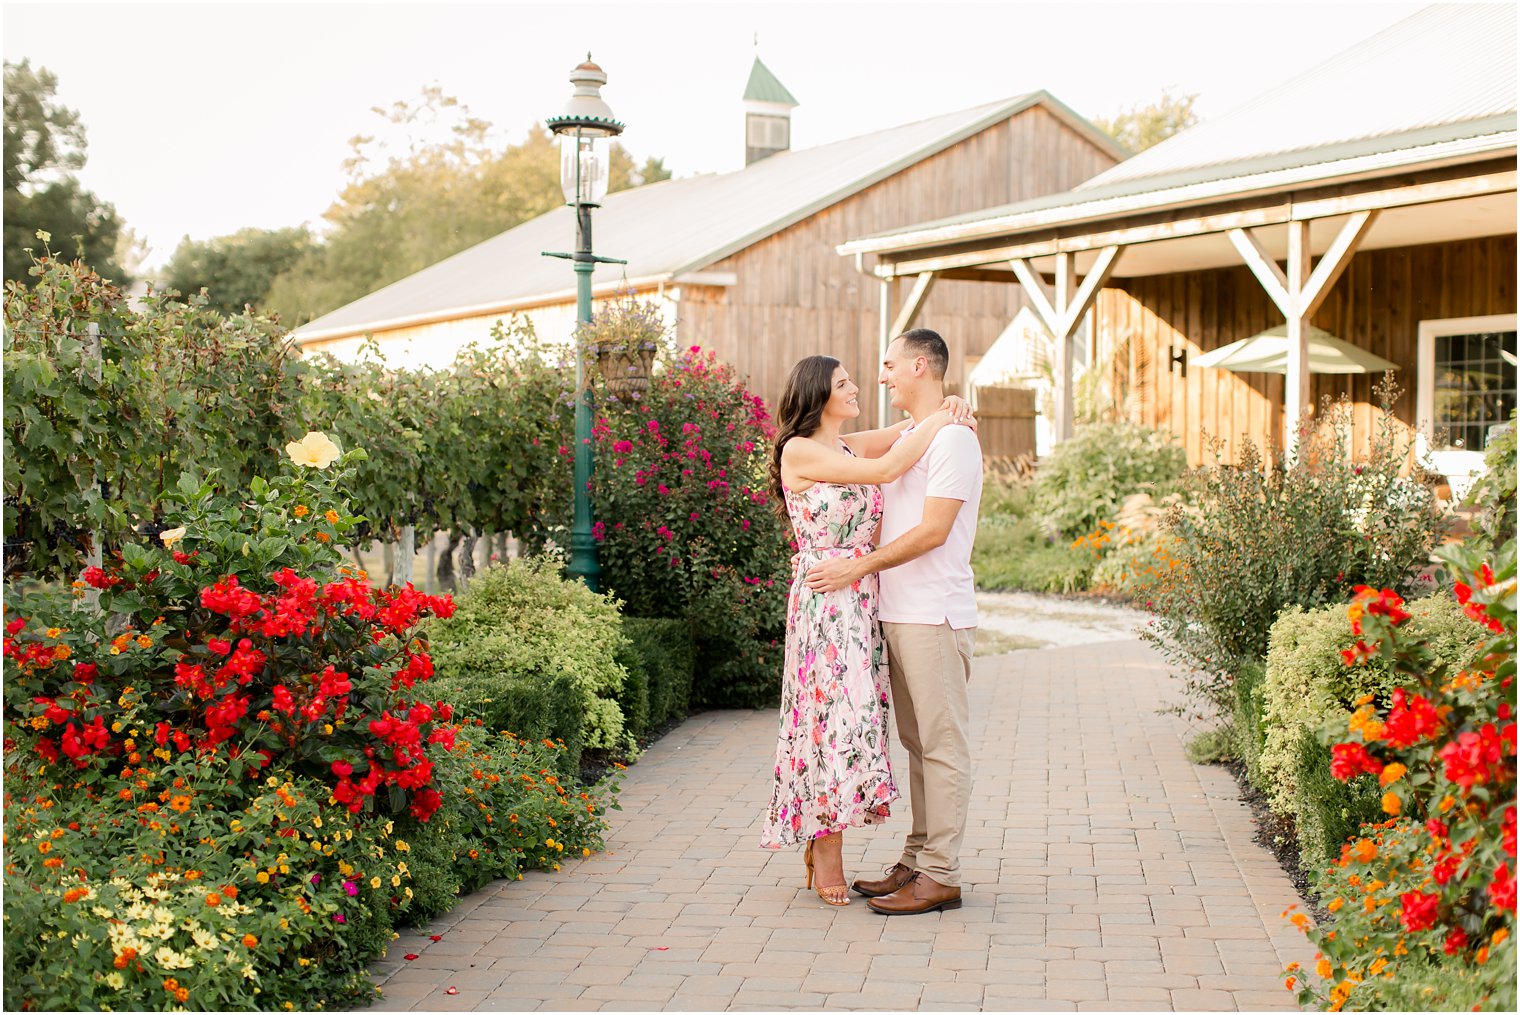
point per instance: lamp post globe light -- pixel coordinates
(584, 128)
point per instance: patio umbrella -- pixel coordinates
(1267, 353)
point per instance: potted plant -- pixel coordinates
(623, 337)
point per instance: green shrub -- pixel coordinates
(530, 652)
(1086, 478)
(504, 813)
(1307, 681)
(1212, 746)
(659, 658)
(1013, 555)
(1246, 739)
(1326, 812)
(1260, 539)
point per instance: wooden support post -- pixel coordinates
(884, 339)
(1061, 311)
(1298, 293)
(1066, 268)
(1296, 392)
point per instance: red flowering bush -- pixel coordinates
(230, 646)
(684, 522)
(1427, 899)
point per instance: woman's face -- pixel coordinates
(843, 397)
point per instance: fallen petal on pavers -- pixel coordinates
(409, 956)
(663, 948)
(452, 990)
(437, 937)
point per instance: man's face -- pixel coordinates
(900, 372)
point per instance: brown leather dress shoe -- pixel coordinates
(921, 894)
(896, 876)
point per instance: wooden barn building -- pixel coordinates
(1371, 198)
(744, 262)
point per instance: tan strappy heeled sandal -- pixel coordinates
(843, 896)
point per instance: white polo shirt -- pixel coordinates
(938, 586)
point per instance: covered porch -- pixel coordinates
(1443, 215)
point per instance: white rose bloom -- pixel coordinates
(171, 536)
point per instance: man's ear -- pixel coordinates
(920, 366)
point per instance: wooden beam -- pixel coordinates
(1245, 213)
(1066, 270)
(1034, 287)
(1096, 278)
(1297, 393)
(1264, 268)
(1334, 262)
(884, 338)
(911, 307)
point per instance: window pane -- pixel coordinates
(1474, 385)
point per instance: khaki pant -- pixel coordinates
(931, 666)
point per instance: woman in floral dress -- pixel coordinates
(832, 769)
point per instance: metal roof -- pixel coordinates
(672, 228)
(763, 86)
(1446, 73)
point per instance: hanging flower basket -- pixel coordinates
(623, 338)
(626, 369)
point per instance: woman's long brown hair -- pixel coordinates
(800, 411)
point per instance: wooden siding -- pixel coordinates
(795, 296)
(1377, 304)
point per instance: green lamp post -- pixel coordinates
(584, 129)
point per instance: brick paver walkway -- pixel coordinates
(1102, 870)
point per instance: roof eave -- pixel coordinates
(1362, 167)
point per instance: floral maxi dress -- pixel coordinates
(832, 767)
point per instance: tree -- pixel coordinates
(432, 181)
(44, 146)
(1141, 126)
(236, 270)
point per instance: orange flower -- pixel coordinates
(331, 516)
(192, 874)
(1364, 851)
(144, 641)
(230, 891)
(1391, 803)
(74, 894)
(323, 537)
(53, 861)
(180, 803)
(1392, 773)
(1335, 904)
(1323, 968)
(182, 995)
(213, 899)
(249, 941)
(1499, 937)
(44, 846)
(302, 511)
(1300, 921)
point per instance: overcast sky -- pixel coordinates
(204, 118)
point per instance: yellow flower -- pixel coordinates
(402, 846)
(54, 632)
(317, 821)
(374, 882)
(395, 881)
(171, 536)
(316, 450)
(262, 877)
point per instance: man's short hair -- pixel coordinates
(928, 344)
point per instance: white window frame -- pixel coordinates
(1425, 360)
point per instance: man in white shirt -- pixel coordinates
(928, 618)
